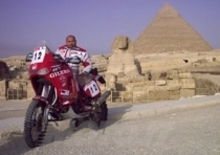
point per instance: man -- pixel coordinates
(78, 55)
(75, 53)
(74, 56)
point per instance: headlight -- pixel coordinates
(29, 57)
(43, 71)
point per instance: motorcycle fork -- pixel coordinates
(49, 107)
(45, 91)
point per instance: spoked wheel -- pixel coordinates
(35, 124)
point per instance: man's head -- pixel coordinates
(71, 41)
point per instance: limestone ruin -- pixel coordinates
(169, 56)
(122, 60)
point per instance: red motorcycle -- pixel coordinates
(57, 91)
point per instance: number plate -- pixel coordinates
(93, 88)
(38, 55)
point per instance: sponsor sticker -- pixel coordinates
(62, 72)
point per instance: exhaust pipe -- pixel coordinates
(103, 98)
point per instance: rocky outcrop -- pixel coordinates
(4, 70)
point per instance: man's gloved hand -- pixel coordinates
(94, 71)
(101, 80)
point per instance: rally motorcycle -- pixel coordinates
(56, 92)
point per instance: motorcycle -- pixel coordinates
(56, 92)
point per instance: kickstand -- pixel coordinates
(79, 120)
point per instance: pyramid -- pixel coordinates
(169, 32)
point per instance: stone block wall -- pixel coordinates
(206, 87)
(17, 89)
(180, 85)
(30, 92)
(3, 89)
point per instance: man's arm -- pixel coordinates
(86, 62)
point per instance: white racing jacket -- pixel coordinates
(78, 53)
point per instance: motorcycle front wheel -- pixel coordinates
(35, 125)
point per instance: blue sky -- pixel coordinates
(25, 24)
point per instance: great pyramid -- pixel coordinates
(169, 32)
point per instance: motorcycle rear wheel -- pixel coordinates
(104, 112)
(34, 124)
(100, 114)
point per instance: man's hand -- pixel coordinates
(101, 80)
(94, 71)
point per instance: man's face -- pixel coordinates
(71, 42)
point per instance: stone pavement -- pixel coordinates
(12, 105)
(162, 107)
(189, 132)
(125, 112)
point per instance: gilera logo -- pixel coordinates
(55, 74)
